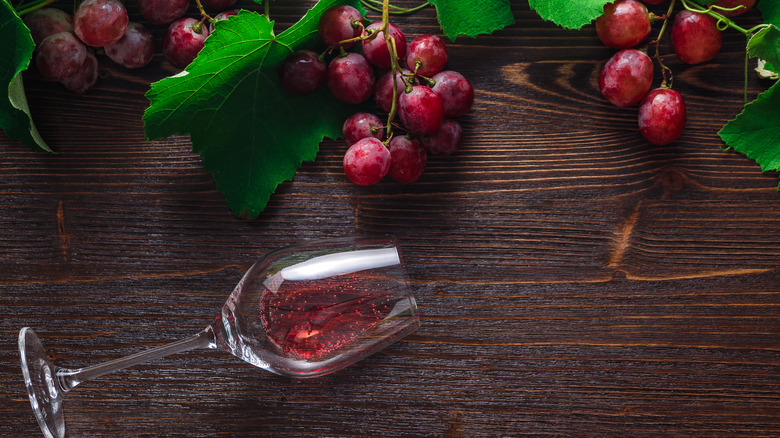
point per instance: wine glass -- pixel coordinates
(301, 311)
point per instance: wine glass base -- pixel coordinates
(40, 379)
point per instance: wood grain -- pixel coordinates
(573, 280)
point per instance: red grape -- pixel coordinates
(375, 49)
(99, 23)
(302, 72)
(135, 49)
(426, 55)
(446, 140)
(421, 111)
(218, 5)
(624, 24)
(60, 56)
(626, 77)
(224, 15)
(455, 91)
(162, 12)
(367, 161)
(340, 23)
(350, 78)
(383, 91)
(408, 159)
(361, 125)
(662, 116)
(695, 37)
(183, 40)
(653, 2)
(728, 4)
(85, 78)
(47, 21)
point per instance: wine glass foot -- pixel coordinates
(40, 378)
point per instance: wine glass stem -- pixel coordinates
(69, 378)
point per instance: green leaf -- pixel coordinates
(756, 130)
(765, 44)
(15, 54)
(570, 14)
(471, 18)
(251, 133)
(770, 11)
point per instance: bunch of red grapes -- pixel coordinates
(427, 98)
(627, 76)
(62, 40)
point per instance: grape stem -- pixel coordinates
(203, 13)
(369, 35)
(394, 67)
(666, 72)
(376, 5)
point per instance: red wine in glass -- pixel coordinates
(301, 311)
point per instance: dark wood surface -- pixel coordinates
(573, 280)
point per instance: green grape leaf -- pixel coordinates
(756, 130)
(15, 54)
(765, 44)
(470, 18)
(251, 133)
(570, 14)
(770, 11)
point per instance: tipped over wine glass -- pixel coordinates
(301, 311)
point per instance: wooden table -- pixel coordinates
(573, 280)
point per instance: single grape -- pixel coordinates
(350, 78)
(662, 116)
(383, 91)
(361, 125)
(302, 72)
(421, 111)
(162, 12)
(728, 4)
(426, 55)
(455, 91)
(47, 21)
(375, 49)
(183, 40)
(85, 78)
(446, 140)
(653, 2)
(695, 37)
(340, 23)
(99, 23)
(224, 15)
(135, 49)
(60, 56)
(367, 161)
(408, 159)
(624, 24)
(218, 5)
(626, 77)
